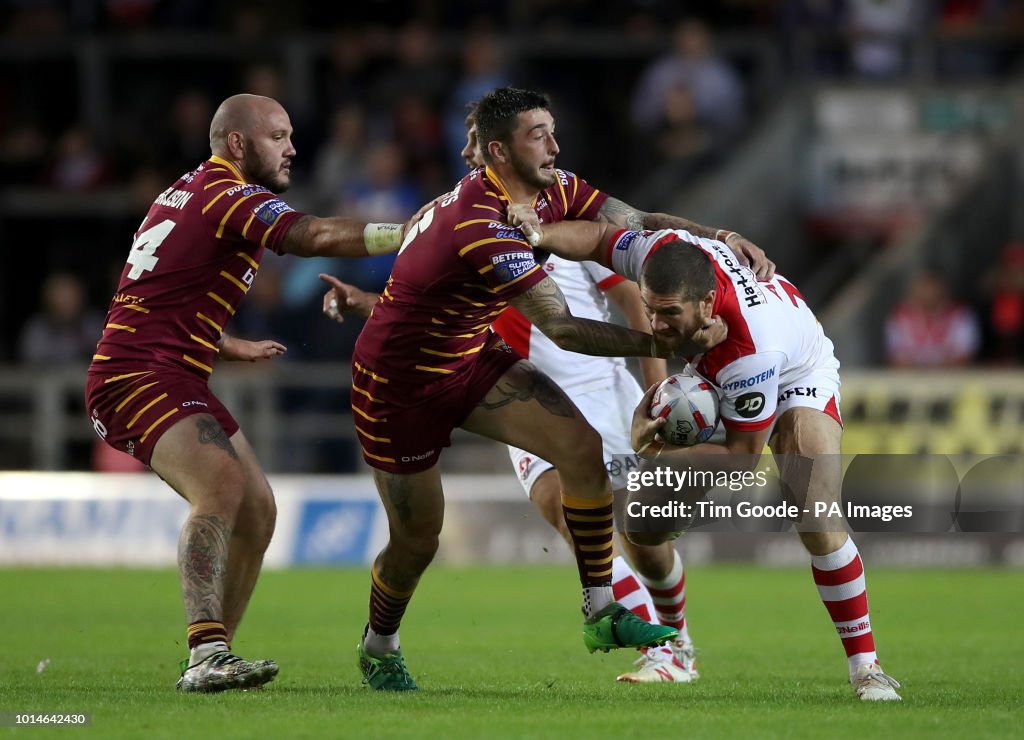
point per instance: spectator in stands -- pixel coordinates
(418, 132)
(714, 85)
(881, 31)
(342, 156)
(77, 163)
(347, 79)
(381, 188)
(65, 328)
(187, 132)
(1003, 312)
(416, 69)
(929, 328)
(483, 69)
(23, 146)
(680, 148)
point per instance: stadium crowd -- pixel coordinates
(382, 130)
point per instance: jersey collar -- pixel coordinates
(221, 161)
(493, 177)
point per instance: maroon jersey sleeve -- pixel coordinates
(573, 199)
(250, 212)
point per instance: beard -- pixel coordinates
(530, 175)
(266, 174)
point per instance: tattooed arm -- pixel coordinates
(545, 307)
(624, 216)
(626, 295)
(310, 236)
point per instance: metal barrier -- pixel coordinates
(296, 416)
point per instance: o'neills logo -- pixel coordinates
(864, 626)
(415, 458)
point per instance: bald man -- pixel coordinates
(193, 259)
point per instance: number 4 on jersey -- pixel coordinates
(142, 256)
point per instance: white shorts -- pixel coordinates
(610, 412)
(818, 389)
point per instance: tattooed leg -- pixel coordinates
(211, 433)
(526, 383)
(415, 508)
(202, 561)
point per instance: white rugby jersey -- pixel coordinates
(583, 284)
(774, 338)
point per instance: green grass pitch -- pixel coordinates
(497, 653)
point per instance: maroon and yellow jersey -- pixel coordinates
(194, 257)
(456, 272)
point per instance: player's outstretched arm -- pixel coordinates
(626, 295)
(625, 216)
(343, 299)
(310, 236)
(545, 307)
(578, 241)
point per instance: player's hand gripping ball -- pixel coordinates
(690, 405)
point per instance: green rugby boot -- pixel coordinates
(386, 673)
(615, 626)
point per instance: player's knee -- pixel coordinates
(419, 549)
(417, 538)
(823, 543)
(649, 539)
(581, 457)
(226, 497)
(263, 517)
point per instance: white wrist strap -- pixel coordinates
(382, 238)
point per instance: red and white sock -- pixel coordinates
(839, 577)
(669, 596)
(631, 592)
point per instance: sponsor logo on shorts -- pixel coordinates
(130, 448)
(186, 404)
(416, 458)
(750, 405)
(809, 392)
(620, 464)
(270, 211)
(98, 426)
(524, 467)
(751, 381)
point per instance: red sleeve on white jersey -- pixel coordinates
(627, 251)
(603, 277)
(750, 390)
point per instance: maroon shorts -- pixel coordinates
(130, 408)
(403, 429)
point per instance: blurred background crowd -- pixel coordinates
(872, 147)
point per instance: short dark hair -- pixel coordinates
(679, 268)
(497, 114)
(471, 113)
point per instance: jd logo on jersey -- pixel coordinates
(749, 405)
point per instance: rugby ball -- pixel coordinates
(689, 403)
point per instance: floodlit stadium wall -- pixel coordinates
(88, 519)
